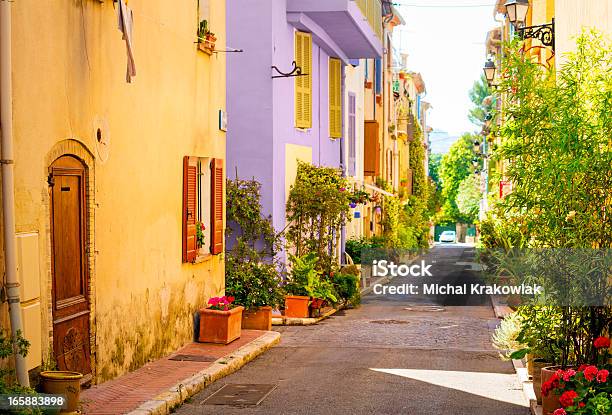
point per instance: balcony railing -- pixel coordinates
(372, 10)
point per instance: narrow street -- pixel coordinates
(389, 356)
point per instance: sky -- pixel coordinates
(445, 42)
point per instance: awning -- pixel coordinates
(378, 190)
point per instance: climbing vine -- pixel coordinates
(317, 208)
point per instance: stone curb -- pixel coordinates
(166, 402)
(523, 376)
(500, 308)
(306, 321)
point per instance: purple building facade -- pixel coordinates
(262, 139)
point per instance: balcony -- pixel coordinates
(346, 29)
(372, 10)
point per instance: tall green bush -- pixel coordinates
(317, 208)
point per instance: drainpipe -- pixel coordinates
(342, 162)
(8, 188)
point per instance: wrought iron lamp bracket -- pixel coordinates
(296, 71)
(544, 33)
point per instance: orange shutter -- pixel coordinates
(371, 162)
(217, 211)
(190, 175)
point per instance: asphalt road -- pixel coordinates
(392, 355)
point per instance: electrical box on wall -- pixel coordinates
(222, 120)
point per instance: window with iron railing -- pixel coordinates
(372, 10)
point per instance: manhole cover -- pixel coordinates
(193, 358)
(427, 308)
(389, 322)
(239, 395)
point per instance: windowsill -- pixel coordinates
(303, 130)
(203, 258)
(203, 47)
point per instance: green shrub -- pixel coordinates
(347, 287)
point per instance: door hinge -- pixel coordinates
(51, 180)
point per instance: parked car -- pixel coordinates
(448, 236)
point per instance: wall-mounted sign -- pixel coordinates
(357, 214)
(222, 120)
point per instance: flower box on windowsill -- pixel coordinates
(206, 47)
(368, 84)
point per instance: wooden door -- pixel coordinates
(70, 290)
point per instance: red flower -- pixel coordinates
(582, 404)
(602, 342)
(560, 411)
(214, 301)
(230, 299)
(567, 399)
(568, 374)
(602, 376)
(590, 372)
(581, 367)
(550, 384)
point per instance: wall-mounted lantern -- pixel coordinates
(516, 11)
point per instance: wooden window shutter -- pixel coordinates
(190, 194)
(371, 162)
(303, 84)
(217, 207)
(335, 98)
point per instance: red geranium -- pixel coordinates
(220, 303)
(602, 342)
(602, 376)
(567, 398)
(550, 384)
(590, 372)
(560, 411)
(568, 374)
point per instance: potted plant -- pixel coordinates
(251, 268)
(221, 321)
(60, 382)
(206, 38)
(297, 299)
(255, 285)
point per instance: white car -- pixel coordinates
(448, 236)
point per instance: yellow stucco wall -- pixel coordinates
(571, 17)
(69, 80)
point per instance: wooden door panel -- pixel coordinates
(71, 344)
(70, 276)
(67, 235)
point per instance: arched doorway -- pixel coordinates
(70, 289)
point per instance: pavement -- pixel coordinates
(393, 355)
(160, 386)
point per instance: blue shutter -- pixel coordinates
(378, 80)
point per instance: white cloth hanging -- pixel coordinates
(125, 20)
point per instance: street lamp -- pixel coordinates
(477, 147)
(516, 10)
(489, 71)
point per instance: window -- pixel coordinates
(303, 84)
(203, 203)
(378, 76)
(335, 98)
(352, 158)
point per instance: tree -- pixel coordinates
(456, 165)
(469, 197)
(484, 103)
(434, 168)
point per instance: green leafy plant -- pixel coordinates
(8, 386)
(200, 239)
(355, 247)
(347, 287)
(306, 280)
(317, 208)
(506, 334)
(252, 273)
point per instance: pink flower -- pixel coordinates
(568, 374)
(602, 376)
(602, 343)
(590, 372)
(214, 301)
(560, 411)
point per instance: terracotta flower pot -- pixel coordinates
(550, 402)
(296, 306)
(63, 383)
(218, 326)
(259, 318)
(536, 368)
